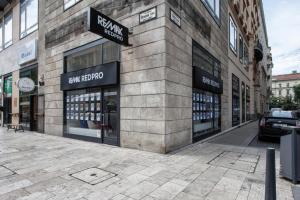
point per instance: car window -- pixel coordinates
(285, 114)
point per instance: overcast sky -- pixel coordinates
(283, 24)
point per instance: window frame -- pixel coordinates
(76, 2)
(5, 45)
(212, 11)
(26, 33)
(241, 48)
(233, 48)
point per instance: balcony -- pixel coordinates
(4, 3)
(258, 51)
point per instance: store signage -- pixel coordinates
(25, 84)
(28, 52)
(175, 18)
(206, 81)
(100, 24)
(107, 74)
(148, 15)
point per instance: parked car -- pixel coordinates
(275, 109)
(271, 125)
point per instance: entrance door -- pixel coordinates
(92, 114)
(33, 112)
(7, 110)
(110, 116)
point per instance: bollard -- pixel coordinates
(270, 182)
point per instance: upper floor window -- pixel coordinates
(246, 55)
(288, 85)
(28, 16)
(70, 3)
(213, 6)
(7, 30)
(232, 35)
(1, 37)
(241, 49)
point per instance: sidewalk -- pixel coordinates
(36, 167)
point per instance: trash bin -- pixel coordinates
(290, 155)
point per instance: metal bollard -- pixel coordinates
(270, 185)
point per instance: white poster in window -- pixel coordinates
(98, 117)
(28, 52)
(92, 96)
(98, 96)
(87, 97)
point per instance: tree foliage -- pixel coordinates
(297, 93)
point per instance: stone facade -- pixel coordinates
(156, 72)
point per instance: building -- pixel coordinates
(151, 75)
(21, 56)
(282, 85)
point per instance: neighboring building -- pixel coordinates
(282, 85)
(188, 66)
(21, 56)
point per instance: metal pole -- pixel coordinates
(270, 187)
(294, 157)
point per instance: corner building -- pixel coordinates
(167, 89)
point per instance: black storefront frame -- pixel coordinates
(197, 86)
(7, 117)
(94, 139)
(32, 126)
(117, 87)
(235, 97)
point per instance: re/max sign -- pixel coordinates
(86, 77)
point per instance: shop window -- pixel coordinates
(235, 100)
(8, 30)
(243, 102)
(247, 103)
(213, 6)
(206, 101)
(205, 61)
(232, 35)
(93, 56)
(70, 3)
(92, 112)
(29, 16)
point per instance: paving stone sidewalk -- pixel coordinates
(36, 167)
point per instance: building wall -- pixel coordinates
(283, 86)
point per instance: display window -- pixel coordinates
(206, 112)
(247, 103)
(207, 90)
(243, 102)
(235, 100)
(91, 92)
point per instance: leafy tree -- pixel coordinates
(297, 93)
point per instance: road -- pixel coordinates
(244, 136)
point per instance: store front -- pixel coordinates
(29, 100)
(248, 103)
(7, 99)
(235, 100)
(243, 102)
(91, 92)
(207, 90)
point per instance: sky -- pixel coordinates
(283, 25)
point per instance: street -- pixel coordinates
(245, 136)
(36, 166)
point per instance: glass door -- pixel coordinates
(92, 114)
(110, 116)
